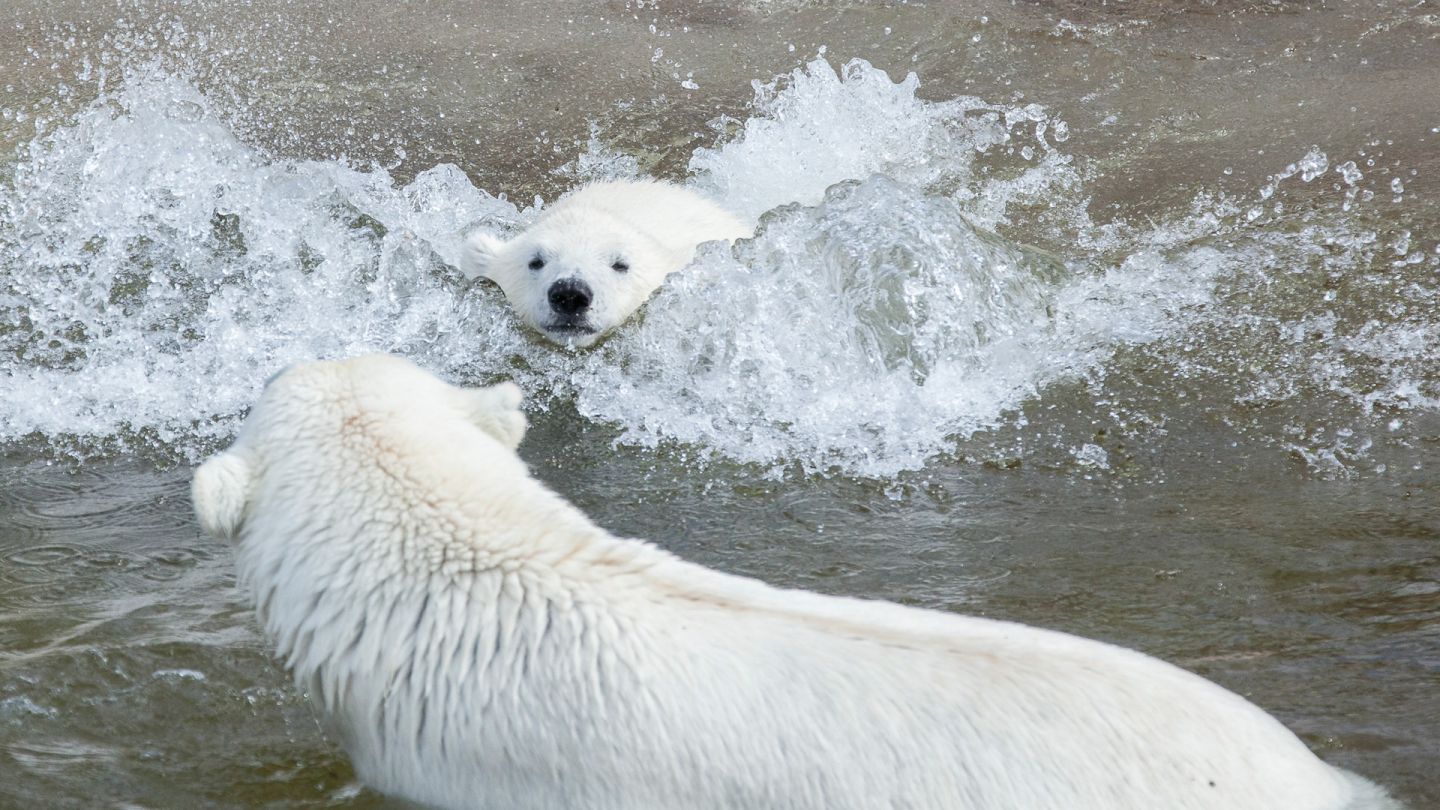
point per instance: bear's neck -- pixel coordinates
(321, 590)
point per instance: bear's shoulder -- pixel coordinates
(645, 202)
(624, 196)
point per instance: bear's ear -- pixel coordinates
(477, 256)
(220, 492)
(496, 410)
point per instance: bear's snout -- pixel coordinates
(570, 296)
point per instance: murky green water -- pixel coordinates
(1217, 446)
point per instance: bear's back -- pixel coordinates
(677, 217)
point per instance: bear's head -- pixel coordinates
(573, 276)
(310, 410)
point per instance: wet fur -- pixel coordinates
(473, 640)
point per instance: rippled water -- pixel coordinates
(1119, 321)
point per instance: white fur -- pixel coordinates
(653, 227)
(220, 492)
(475, 641)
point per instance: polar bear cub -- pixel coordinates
(591, 259)
(473, 640)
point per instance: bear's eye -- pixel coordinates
(619, 266)
(537, 263)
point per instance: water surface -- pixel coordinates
(1117, 320)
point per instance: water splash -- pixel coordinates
(859, 333)
(819, 126)
(154, 266)
(155, 269)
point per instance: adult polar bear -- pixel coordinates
(475, 641)
(591, 259)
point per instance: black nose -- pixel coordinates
(569, 296)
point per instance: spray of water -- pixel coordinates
(155, 269)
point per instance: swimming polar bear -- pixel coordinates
(591, 259)
(474, 641)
